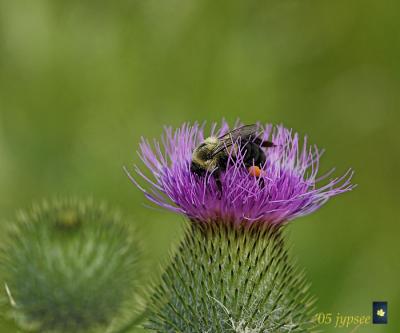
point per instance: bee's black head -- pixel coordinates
(197, 169)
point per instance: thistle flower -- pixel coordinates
(290, 179)
(69, 266)
(231, 272)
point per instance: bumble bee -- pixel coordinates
(213, 153)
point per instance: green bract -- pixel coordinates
(69, 266)
(227, 278)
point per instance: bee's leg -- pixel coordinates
(217, 176)
(261, 159)
(262, 182)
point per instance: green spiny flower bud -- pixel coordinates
(229, 278)
(69, 266)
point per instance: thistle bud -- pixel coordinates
(69, 266)
(227, 278)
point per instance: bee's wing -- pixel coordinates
(244, 133)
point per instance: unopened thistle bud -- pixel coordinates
(69, 266)
(231, 272)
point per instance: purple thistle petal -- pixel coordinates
(289, 175)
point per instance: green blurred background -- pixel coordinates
(81, 81)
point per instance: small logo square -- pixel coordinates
(379, 312)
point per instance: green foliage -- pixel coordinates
(69, 266)
(227, 278)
